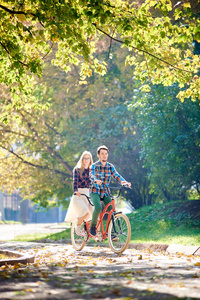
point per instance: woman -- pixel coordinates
(79, 207)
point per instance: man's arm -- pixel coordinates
(93, 175)
(119, 178)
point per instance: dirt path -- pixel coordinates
(59, 272)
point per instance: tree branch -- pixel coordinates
(13, 12)
(47, 147)
(4, 47)
(17, 133)
(110, 46)
(35, 165)
(144, 51)
(47, 125)
(20, 12)
(48, 51)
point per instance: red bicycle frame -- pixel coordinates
(100, 220)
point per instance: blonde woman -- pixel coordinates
(79, 207)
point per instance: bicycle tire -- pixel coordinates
(119, 234)
(78, 241)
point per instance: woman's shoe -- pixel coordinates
(78, 230)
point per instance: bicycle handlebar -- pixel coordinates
(108, 191)
(115, 188)
(88, 198)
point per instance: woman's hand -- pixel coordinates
(78, 194)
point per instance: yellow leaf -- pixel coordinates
(21, 18)
(195, 276)
(187, 4)
(82, 82)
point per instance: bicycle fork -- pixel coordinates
(118, 222)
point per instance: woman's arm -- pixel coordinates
(75, 180)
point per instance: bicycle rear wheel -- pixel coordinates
(119, 233)
(78, 241)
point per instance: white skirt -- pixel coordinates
(79, 206)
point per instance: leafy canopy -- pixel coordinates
(158, 35)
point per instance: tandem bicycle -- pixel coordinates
(116, 228)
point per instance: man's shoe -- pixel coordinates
(93, 230)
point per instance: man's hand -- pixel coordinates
(98, 182)
(77, 194)
(128, 184)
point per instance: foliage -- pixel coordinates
(164, 53)
(44, 145)
(170, 141)
(39, 115)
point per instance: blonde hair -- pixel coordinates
(80, 165)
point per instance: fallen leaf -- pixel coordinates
(130, 281)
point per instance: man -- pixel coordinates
(100, 175)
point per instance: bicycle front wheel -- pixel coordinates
(78, 241)
(119, 233)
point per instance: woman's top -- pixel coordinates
(81, 181)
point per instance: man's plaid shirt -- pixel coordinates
(99, 172)
(80, 181)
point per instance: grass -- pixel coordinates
(63, 235)
(171, 223)
(9, 222)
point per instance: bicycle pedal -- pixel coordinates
(99, 236)
(85, 236)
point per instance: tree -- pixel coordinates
(170, 142)
(44, 145)
(72, 34)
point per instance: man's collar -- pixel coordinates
(102, 164)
